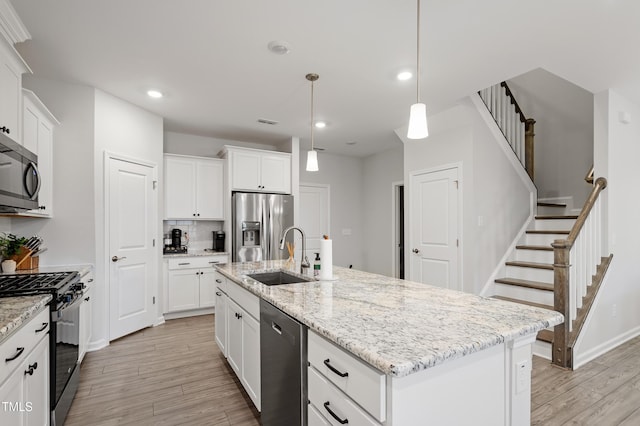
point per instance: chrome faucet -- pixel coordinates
(304, 264)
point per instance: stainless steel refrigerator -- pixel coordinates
(258, 221)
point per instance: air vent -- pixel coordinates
(265, 121)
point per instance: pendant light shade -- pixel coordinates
(418, 114)
(312, 156)
(418, 122)
(312, 161)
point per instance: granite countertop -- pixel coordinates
(196, 253)
(399, 327)
(15, 311)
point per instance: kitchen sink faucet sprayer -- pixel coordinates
(304, 264)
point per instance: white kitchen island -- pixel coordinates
(429, 355)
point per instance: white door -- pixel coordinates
(314, 217)
(433, 232)
(131, 225)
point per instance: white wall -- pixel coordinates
(491, 188)
(379, 172)
(203, 146)
(126, 130)
(563, 133)
(344, 175)
(69, 235)
(615, 316)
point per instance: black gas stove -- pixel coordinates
(66, 291)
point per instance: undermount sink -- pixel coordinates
(278, 278)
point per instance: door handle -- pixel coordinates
(116, 258)
(416, 251)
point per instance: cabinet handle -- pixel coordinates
(334, 415)
(184, 264)
(44, 326)
(31, 369)
(214, 262)
(219, 281)
(218, 293)
(238, 315)
(332, 368)
(194, 214)
(20, 350)
(198, 214)
(90, 280)
(5, 129)
(86, 299)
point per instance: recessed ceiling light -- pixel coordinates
(155, 94)
(404, 75)
(279, 47)
(321, 124)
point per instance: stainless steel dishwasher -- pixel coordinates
(283, 366)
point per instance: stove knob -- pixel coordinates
(67, 298)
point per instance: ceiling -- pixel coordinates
(210, 58)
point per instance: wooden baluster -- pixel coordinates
(528, 147)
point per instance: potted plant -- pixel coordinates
(10, 246)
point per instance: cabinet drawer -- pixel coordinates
(335, 406)
(361, 382)
(195, 262)
(315, 418)
(248, 301)
(221, 282)
(27, 337)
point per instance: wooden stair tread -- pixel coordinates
(551, 217)
(526, 283)
(524, 302)
(535, 265)
(545, 336)
(544, 248)
(537, 231)
(543, 204)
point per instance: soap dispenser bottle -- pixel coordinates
(316, 266)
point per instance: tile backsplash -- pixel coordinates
(199, 232)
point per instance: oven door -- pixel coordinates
(67, 338)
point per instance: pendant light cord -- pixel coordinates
(417, 54)
(311, 115)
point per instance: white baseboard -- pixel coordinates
(580, 359)
(185, 314)
(97, 345)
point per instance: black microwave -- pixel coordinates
(19, 177)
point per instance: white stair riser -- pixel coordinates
(554, 224)
(524, 293)
(538, 256)
(531, 274)
(542, 349)
(543, 239)
(551, 211)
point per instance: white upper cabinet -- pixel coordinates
(11, 69)
(258, 170)
(37, 131)
(193, 187)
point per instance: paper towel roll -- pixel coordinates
(326, 260)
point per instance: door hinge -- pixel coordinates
(457, 242)
(154, 300)
(155, 184)
(154, 242)
(456, 183)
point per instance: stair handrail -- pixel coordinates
(520, 136)
(564, 335)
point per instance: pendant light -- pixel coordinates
(418, 114)
(312, 156)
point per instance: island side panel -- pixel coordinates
(467, 391)
(518, 366)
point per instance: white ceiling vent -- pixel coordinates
(266, 121)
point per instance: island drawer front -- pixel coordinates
(364, 384)
(249, 302)
(328, 399)
(315, 418)
(22, 342)
(221, 282)
(196, 262)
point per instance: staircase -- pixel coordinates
(528, 274)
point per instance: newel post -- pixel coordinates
(528, 146)
(561, 353)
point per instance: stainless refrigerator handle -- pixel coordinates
(264, 240)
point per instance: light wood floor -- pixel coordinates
(174, 374)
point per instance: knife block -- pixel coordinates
(24, 260)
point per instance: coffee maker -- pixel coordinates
(218, 241)
(176, 243)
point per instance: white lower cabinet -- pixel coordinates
(24, 380)
(190, 283)
(238, 333)
(85, 320)
(342, 388)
